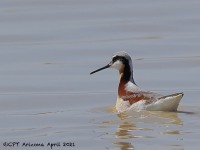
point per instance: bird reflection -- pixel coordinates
(143, 124)
(124, 145)
(123, 131)
(128, 124)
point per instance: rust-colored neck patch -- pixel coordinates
(122, 86)
(132, 97)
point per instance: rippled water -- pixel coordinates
(48, 49)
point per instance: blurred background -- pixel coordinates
(49, 47)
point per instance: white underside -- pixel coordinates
(166, 104)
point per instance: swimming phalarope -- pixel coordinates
(132, 97)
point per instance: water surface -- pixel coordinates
(48, 49)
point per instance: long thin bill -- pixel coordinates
(107, 66)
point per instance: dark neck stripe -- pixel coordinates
(127, 72)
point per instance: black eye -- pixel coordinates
(122, 59)
(115, 58)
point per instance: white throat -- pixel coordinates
(118, 65)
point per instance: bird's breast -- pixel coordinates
(131, 93)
